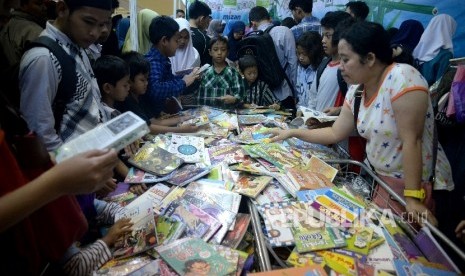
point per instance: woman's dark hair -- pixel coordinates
(247, 61)
(109, 69)
(220, 39)
(197, 9)
(162, 26)
(311, 42)
(369, 37)
(137, 63)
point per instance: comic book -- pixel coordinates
(308, 180)
(317, 165)
(314, 239)
(250, 185)
(156, 160)
(186, 174)
(234, 237)
(139, 176)
(187, 254)
(190, 148)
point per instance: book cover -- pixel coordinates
(154, 195)
(142, 237)
(273, 193)
(297, 259)
(230, 154)
(364, 269)
(250, 185)
(212, 222)
(360, 239)
(226, 199)
(312, 270)
(122, 199)
(308, 180)
(123, 266)
(139, 176)
(309, 195)
(166, 270)
(432, 249)
(287, 184)
(404, 268)
(199, 120)
(241, 262)
(116, 133)
(173, 195)
(195, 226)
(314, 239)
(317, 165)
(168, 229)
(189, 256)
(225, 120)
(340, 263)
(156, 160)
(270, 167)
(231, 255)
(190, 148)
(186, 174)
(274, 153)
(225, 217)
(234, 237)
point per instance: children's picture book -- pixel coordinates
(168, 229)
(156, 160)
(196, 227)
(250, 185)
(230, 154)
(190, 148)
(142, 237)
(225, 217)
(360, 239)
(317, 165)
(154, 195)
(186, 174)
(315, 239)
(273, 193)
(116, 133)
(139, 176)
(297, 259)
(234, 237)
(190, 256)
(251, 119)
(312, 270)
(308, 180)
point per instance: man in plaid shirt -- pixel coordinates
(302, 12)
(221, 84)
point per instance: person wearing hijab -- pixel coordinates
(409, 34)
(234, 36)
(144, 18)
(186, 56)
(215, 28)
(435, 48)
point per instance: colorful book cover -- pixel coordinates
(230, 154)
(225, 217)
(225, 120)
(404, 268)
(138, 176)
(173, 195)
(273, 193)
(229, 254)
(297, 259)
(122, 199)
(309, 195)
(315, 239)
(251, 119)
(142, 237)
(287, 184)
(199, 120)
(312, 270)
(156, 160)
(340, 263)
(270, 167)
(168, 229)
(186, 174)
(154, 195)
(250, 185)
(190, 148)
(190, 256)
(360, 239)
(226, 199)
(308, 180)
(241, 262)
(212, 222)
(196, 227)
(234, 237)
(364, 269)
(274, 153)
(317, 165)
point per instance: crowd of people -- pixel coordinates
(375, 80)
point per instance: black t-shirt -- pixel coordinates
(139, 108)
(201, 42)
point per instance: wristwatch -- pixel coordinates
(420, 194)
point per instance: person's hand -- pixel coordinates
(418, 211)
(131, 149)
(108, 187)
(275, 106)
(333, 111)
(86, 172)
(460, 230)
(138, 189)
(189, 79)
(228, 99)
(278, 134)
(188, 128)
(118, 230)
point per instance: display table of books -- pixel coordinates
(225, 201)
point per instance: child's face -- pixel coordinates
(170, 45)
(302, 56)
(219, 52)
(183, 39)
(139, 84)
(327, 41)
(120, 91)
(251, 74)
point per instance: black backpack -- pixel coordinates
(260, 45)
(67, 85)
